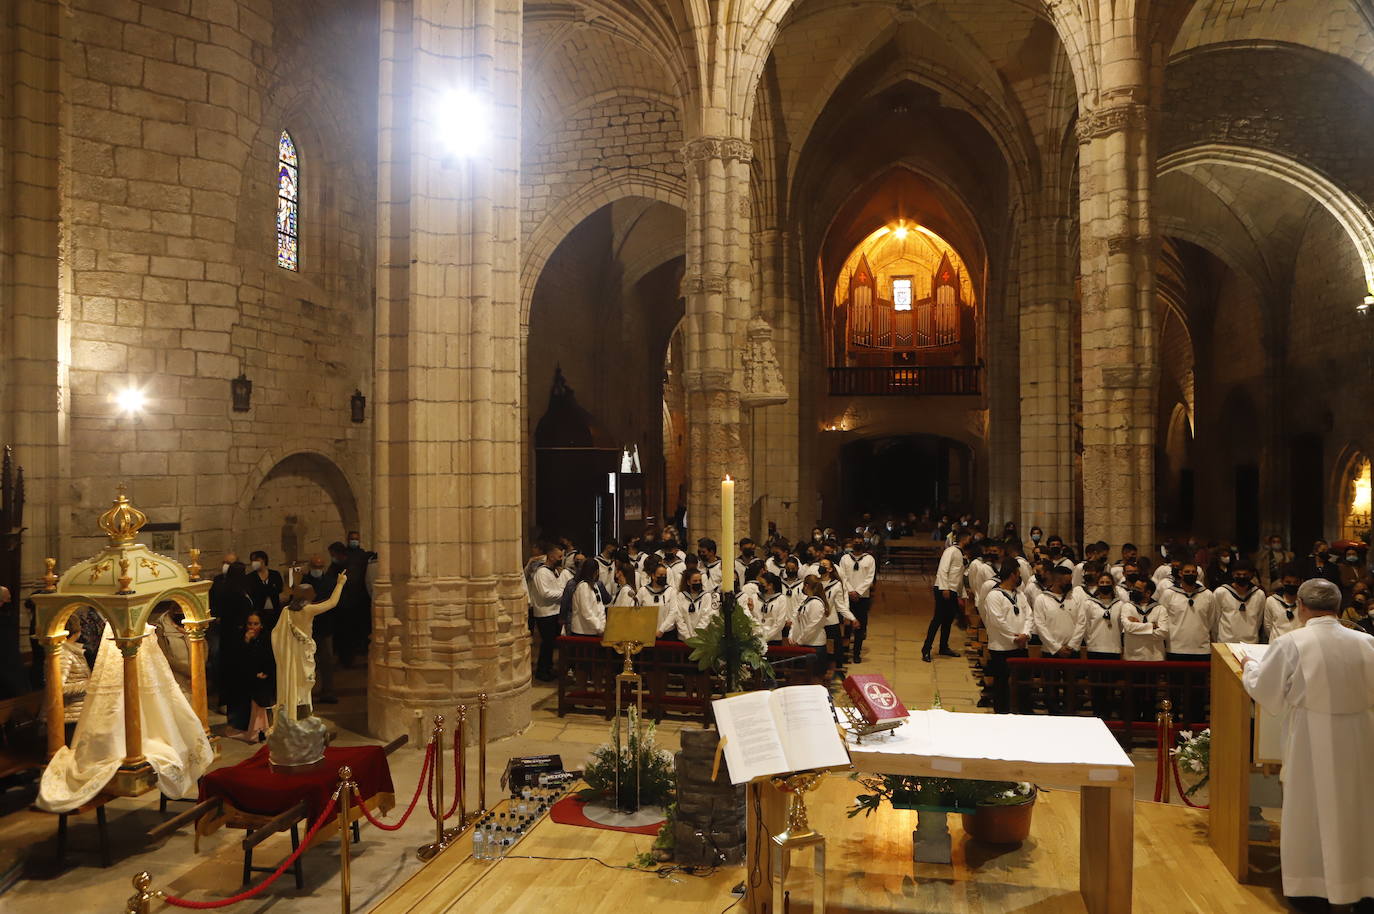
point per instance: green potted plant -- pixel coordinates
(995, 812)
(655, 769)
(1194, 755)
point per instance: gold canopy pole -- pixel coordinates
(55, 706)
(133, 707)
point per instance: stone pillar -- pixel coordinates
(35, 340)
(774, 428)
(717, 287)
(1046, 313)
(1116, 175)
(449, 613)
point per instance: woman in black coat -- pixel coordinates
(250, 684)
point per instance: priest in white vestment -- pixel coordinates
(174, 741)
(1322, 677)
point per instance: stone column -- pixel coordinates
(35, 334)
(774, 430)
(1046, 313)
(717, 287)
(1116, 175)
(449, 612)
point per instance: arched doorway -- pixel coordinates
(900, 473)
(303, 504)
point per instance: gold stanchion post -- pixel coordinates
(430, 851)
(460, 775)
(141, 901)
(346, 787)
(481, 754)
(1165, 719)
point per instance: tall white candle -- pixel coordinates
(727, 534)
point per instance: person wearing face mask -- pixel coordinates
(1358, 610)
(1059, 554)
(1222, 567)
(672, 560)
(694, 607)
(770, 610)
(983, 569)
(1320, 564)
(1008, 620)
(1037, 582)
(588, 611)
(1037, 536)
(658, 592)
(265, 586)
(748, 550)
(949, 587)
(792, 581)
(777, 557)
(1270, 561)
(1192, 616)
(748, 590)
(839, 619)
(1102, 619)
(1240, 607)
(712, 576)
(807, 628)
(1145, 628)
(605, 564)
(251, 683)
(547, 584)
(322, 579)
(1058, 619)
(1130, 555)
(624, 591)
(1281, 609)
(858, 572)
(230, 604)
(1094, 558)
(1352, 566)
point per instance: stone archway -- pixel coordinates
(302, 504)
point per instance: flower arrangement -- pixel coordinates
(656, 782)
(1194, 755)
(709, 644)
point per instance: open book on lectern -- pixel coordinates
(789, 729)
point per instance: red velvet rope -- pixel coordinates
(1164, 763)
(429, 796)
(249, 893)
(424, 770)
(1161, 753)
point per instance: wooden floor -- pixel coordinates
(869, 870)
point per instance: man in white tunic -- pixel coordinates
(1322, 675)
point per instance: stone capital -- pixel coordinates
(703, 283)
(1111, 118)
(700, 380)
(729, 148)
(1130, 244)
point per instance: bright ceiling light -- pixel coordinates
(130, 400)
(901, 233)
(464, 123)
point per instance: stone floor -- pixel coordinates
(384, 859)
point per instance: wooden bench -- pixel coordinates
(21, 737)
(1124, 693)
(675, 688)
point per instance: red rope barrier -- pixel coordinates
(424, 770)
(176, 902)
(429, 796)
(457, 773)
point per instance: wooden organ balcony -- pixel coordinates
(907, 381)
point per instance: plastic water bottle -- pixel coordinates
(479, 843)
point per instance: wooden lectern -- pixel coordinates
(1242, 738)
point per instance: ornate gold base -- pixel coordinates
(132, 781)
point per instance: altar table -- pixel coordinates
(1074, 752)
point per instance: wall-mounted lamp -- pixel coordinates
(131, 401)
(241, 390)
(463, 121)
(1363, 307)
(357, 406)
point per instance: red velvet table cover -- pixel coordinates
(251, 786)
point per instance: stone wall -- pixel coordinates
(170, 119)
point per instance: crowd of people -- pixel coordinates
(815, 593)
(1123, 605)
(246, 601)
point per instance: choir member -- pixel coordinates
(1192, 616)
(1145, 629)
(694, 607)
(1240, 606)
(1281, 609)
(1007, 619)
(949, 583)
(588, 610)
(712, 575)
(858, 571)
(808, 624)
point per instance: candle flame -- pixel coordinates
(728, 478)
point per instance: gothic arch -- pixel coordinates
(319, 467)
(569, 212)
(1347, 209)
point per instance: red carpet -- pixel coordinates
(571, 811)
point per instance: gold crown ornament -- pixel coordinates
(122, 521)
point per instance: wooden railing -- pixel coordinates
(916, 380)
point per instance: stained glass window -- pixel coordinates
(288, 204)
